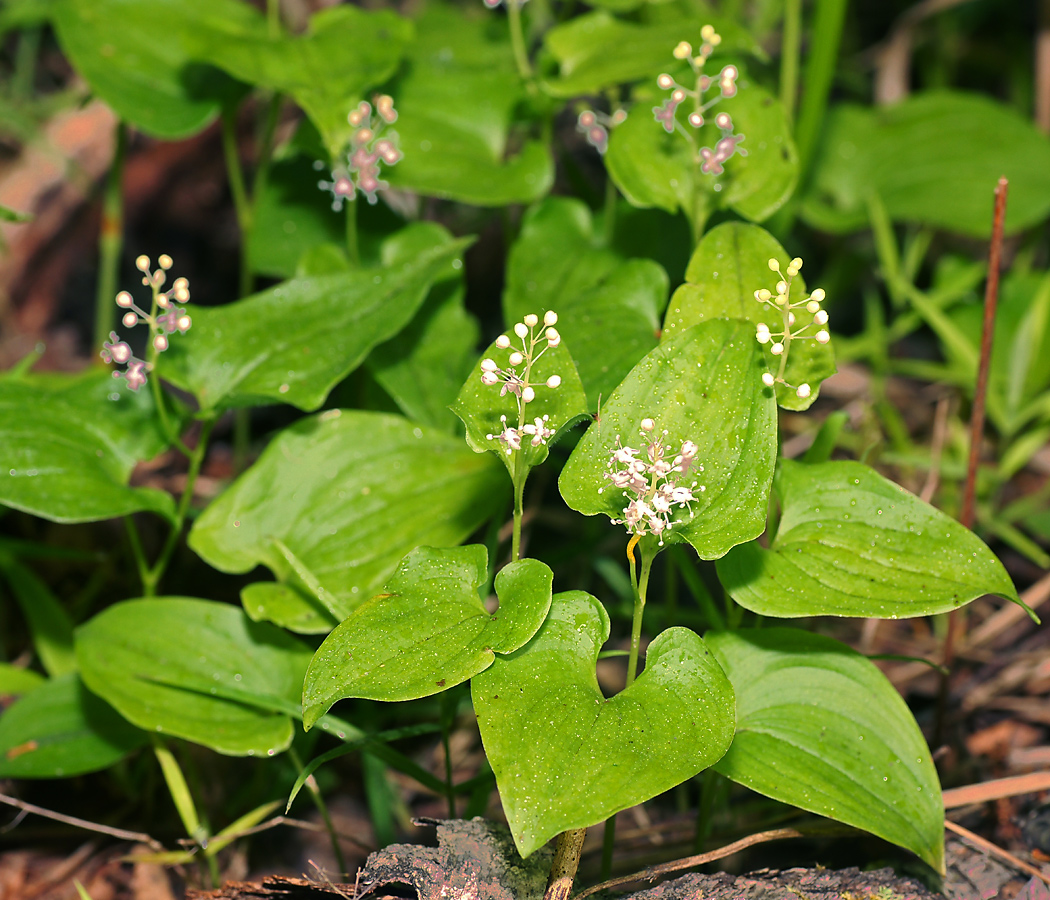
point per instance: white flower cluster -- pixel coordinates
(372, 143)
(649, 479)
(780, 341)
(516, 378)
(161, 324)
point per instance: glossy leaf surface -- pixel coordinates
(852, 543)
(608, 307)
(193, 669)
(337, 500)
(284, 605)
(820, 727)
(731, 263)
(456, 103)
(921, 157)
(564, 755)
(702, 385)
(294, 342)
(70, 444)
(61, 729)
(428, 631)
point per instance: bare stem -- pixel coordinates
(111, 239)
(640, 583)
(566, 861)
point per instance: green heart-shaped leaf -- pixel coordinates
(703, 385)
(190, 668)
(852, 543)
(731, 263)
(565, 756)
(60, 729)
(609, 307)
(337, 500)
(428, 631)
(294, 342)
(481, 406)
(820, 727)
(69, 447)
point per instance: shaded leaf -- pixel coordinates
(287, 606)
(60, 729)
(428, 631)
(348, 494)
(702, 385)
(49, 624)
(565, 756)
(820, 727)
(608, 307)
(168, 664)
(727, 268)
(852, 543)
(16, 680)
(294, 342)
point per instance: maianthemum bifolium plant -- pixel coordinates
(381, 525)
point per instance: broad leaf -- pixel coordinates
(456, 103)
(336, 501)
(934, 158)
(49, 624)
(852, 543)
(287, 606)
(294, 342)
(70, 444)
(60, 729)
(193, 669)
(727, 268)
(345, 51)
(424, 366)
(16, 680)
(820, 727)
(482, 407)
(428, 631)
(596, 51)
(142, 56)
(565, 756)
(703, 385)
(608, 307)
(654, 168)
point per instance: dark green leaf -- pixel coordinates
(852, 543)
(702, 385)
(61, 729)
(287, 606)
(934, 158)
(428, 631)
(565, 756)
(731, 263)
(347, 494)
(608, 307)
(167, 665)
(16, 680)
(9, 215)
(49, 624)
(820, 727)
(294, 342)
(140, 56)
(456, 104)
(70, 444)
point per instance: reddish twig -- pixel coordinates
(996, 850)
(120, 833)
(997, 789)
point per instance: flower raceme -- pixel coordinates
(780, 341)
(649, 475)
(516, 379)
(371, 143)
(163, 319)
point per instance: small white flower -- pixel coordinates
(528, 395)
(532, 320)
(777, 349)
(503, 342)
(768, 380)
(554, 381)
(822, 337)
(516, 358)
(818, 295)
(803, 391)
(821, 318)
(489, 378)
(550, 317)
(521, 330)
(489, 365)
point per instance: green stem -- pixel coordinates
(25, 64)
(241, 203)
(640, 583)
(136, 549)
(352, 250)
(111, 238)
(152, 353)
(790, 45)
(608, 845)
(519, 507)
(322, 808)
(196, 455)
(517, 40)
(609, 223)
(828, 17)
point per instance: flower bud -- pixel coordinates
(160, 342)
(791, 318)
(648, 424)
(796, 263)
(489, 378)
(777, 349)
(822, 337)
(683, 50)
(696, 119)
(528, 395)
(767, 379)
(724, 120)
(164, 261)
(130, 320)
(774, 266)
(532, 320)
(124, 299)
(665, 82)
(804, 391)
(183, 323)
(503, 342)
(818, 295)
(812, 306)
(521, 330)
(550, 317)
(821, 318)
(782, 287)
(554, 381)
(488, 365)
(142, 263)
(516, 358)
(763, 295)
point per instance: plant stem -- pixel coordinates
(609, 219)
(322, 808)
(640, 583)
(111, 238)
(352, 250)
(790, 44)
(608, 845)
(196, 455)
(25, 64)
(519, 504)
(241, 204)
(566, 861)
(825, 38)
(517, 40)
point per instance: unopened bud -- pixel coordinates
(183, 323)
(763, 295)
(489, 378)
(528, 395)
(774, 266)
(767, 379)
(683, 51)
(696, 119)
(818, 295)
(130, 320)
(554, 381)
(521, 330)
(124, 299)
(550, 317)
(777, 349)
(532, 320)
(804, 391)
(665, 82)
(516, 358)
(503, 342)
(821, 318)
(822, 337)
(164, 261)
(160, 342)
(142, 263)
(648, 424)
